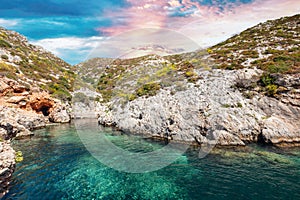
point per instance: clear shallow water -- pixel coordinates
(57, 166)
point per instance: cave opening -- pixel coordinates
(45, 110)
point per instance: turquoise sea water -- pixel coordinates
(57, 166)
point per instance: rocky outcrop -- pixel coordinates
(211, 110)
(7, 166)
(21, 111)
(18, 123)
(13, 94)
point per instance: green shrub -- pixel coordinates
(226, 105)
(266, 79)
(106, 95)
(4, 57)
(278, 67)
(190, 73)
(148, 89)
(4, 44)
(271, 90)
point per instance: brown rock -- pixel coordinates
(41, 103)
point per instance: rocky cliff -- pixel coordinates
(243, 90)
(213, 109)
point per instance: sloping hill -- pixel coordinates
(142, 76)
(33, 66)
(273, 46)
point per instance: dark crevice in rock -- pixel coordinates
(10, 131)
(261, 139)
(171, 121)
(140, 117)
(45, 110)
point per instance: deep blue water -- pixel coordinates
(57, 166)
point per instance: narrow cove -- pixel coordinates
(57, 165)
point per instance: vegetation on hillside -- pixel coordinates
(128, 79)
(33, 66)
(273, 46)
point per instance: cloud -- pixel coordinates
(212, 29)
(140, 14)
(159, 13)
(139, 42)
(205, 21)
(71, 49)
(8, 23)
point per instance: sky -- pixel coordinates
(76, 30)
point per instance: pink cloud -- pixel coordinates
(141, 14)
(204, 24)
(211, 29)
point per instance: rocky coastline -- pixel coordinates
(244, 90)
(215, 109)
(21, 111)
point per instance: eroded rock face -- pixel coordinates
(10, 86)
(41, 104)
(18, 123)
(7, 166)
(213, 109)
(13, 94)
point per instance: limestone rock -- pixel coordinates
(59, 115)
(276, 130)
(18, 123)
(213, 105)
(7, 166)
(16, 99)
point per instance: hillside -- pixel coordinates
(273, 46)
(128, 79)
(33, 66)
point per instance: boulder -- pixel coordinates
(276, 130)
(13, 129)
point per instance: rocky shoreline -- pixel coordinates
(215, 109)
(21, 111)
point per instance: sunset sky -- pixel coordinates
(72, 28)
